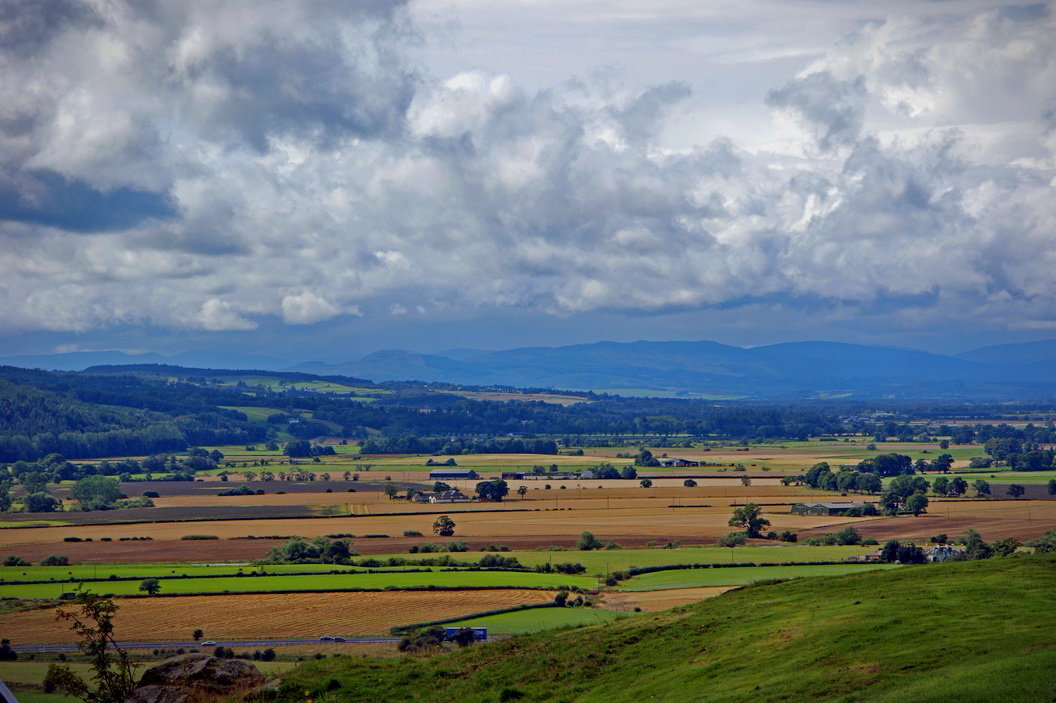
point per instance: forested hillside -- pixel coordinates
(86, 417)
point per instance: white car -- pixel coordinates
(208, 643)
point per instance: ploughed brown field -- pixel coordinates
(271, 616)
(994, 519)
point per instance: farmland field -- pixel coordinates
(320, 582)
(102, 572)
(541, 527)
(656, 601)
(604, 561)
(539, 619)
(659, 521)
(272, 616)
(597, 563)
(738, 576)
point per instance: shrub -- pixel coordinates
(588, 542)
(194, 537)
(733, 539)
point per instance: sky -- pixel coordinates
(316, 180)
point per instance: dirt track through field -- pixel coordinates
(271, 616)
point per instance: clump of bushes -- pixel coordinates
(566, 568)
(846, 536)
(321, 550)
(242, 490)
(733, 539)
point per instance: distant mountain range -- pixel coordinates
(709, 369)
(794, 370)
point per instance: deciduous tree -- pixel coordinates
(750, 519)
(444, 526)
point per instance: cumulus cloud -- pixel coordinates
(219, 315)
(307, 308)
(204, 165)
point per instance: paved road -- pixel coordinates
(226, 643)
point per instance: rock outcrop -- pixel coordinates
(197, 677)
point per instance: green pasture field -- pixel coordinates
(252, 412)
(738, 576)
(597, 562)
(321, 582)
(608, 560)
(102, 572)
(33, 523)
(537, 619)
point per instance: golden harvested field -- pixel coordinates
(655, 601)
(271, 616)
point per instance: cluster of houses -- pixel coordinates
(937, 554)
(451, 496)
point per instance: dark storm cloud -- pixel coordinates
(27, 26)
(47, 198)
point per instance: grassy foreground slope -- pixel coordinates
(972, 631)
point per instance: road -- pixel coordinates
(225, 643)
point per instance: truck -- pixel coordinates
(480, 634)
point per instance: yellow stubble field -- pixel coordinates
(271, 616)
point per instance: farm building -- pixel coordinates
(452, 496)
(824, 508)
(452, 474)
(942, 552)
(678, 463)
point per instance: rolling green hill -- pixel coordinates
(972, 631)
